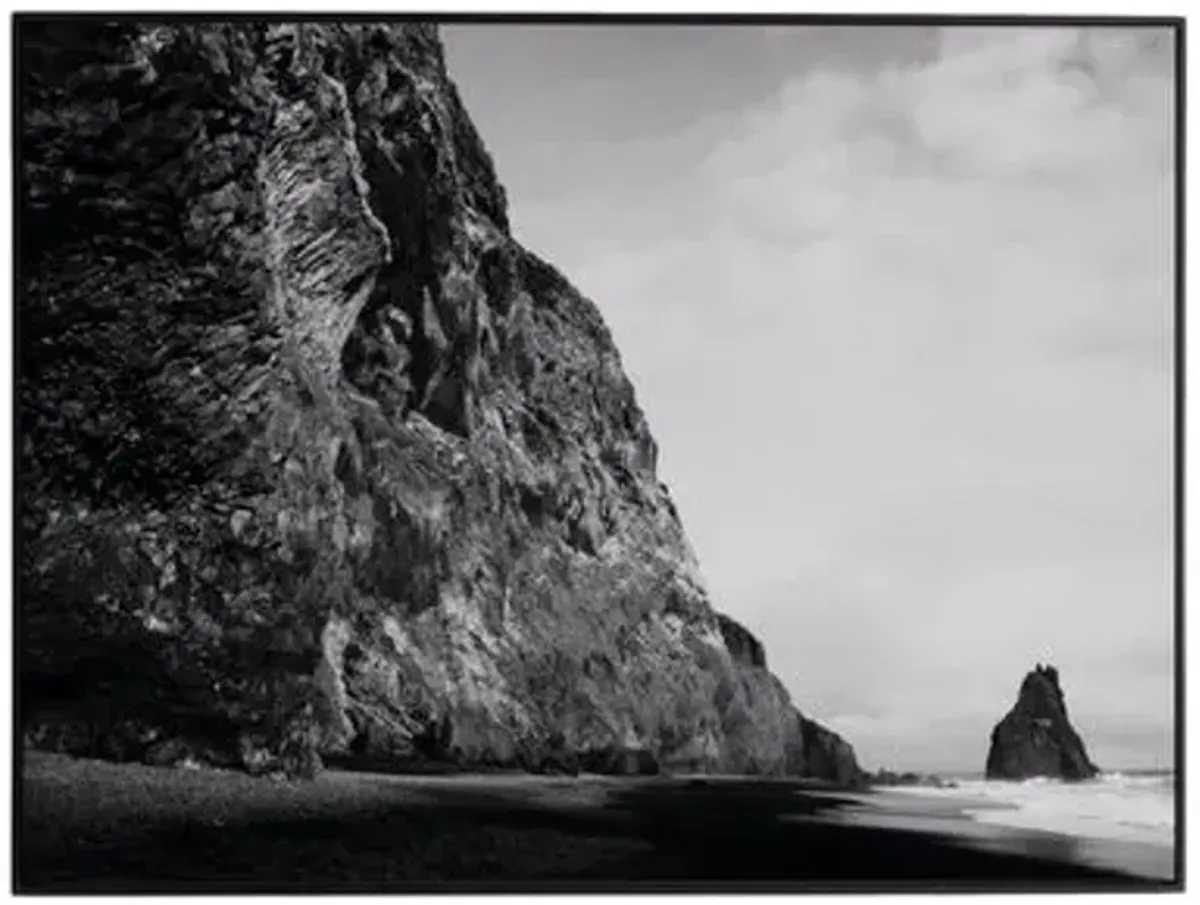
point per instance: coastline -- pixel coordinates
(992, 825)
(104, 827)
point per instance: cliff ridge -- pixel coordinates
(317, 461)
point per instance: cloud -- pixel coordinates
(904, 333)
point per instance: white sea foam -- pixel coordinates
(1129, 808)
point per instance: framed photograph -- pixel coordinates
(596, 453)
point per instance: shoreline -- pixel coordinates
(1090, 811)
(98, 826)
(967, 818)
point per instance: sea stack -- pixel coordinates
(1036, 738)
(318, 461)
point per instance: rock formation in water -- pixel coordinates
(315, 459)
(1036, 738)
(887, 777)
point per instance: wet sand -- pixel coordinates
(949, 816)
(88, 826)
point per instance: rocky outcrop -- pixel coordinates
(315, 458)
(824, 754)
(1036, 738)
(909, 778)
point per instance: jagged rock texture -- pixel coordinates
(315, 458)
(1036, 738)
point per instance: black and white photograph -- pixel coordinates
(564, 452)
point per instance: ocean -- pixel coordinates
(1125, 807)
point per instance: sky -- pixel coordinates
(898, 304)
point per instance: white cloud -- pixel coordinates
(904, 336)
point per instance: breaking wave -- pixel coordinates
(1124, 807)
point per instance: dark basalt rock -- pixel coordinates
(316, 460)
(744, 647)
(618, 761)
(1036, 738)
(908, 778)
(826, 755)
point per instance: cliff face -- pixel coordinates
(315, 458)
(1036, 738)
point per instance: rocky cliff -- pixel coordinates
(315, 459)
(1036, 738)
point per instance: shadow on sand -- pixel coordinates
(662, 833)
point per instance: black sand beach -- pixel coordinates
(88, 826)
